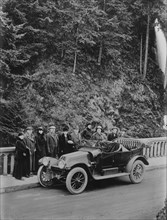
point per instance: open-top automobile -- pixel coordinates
(98, 161)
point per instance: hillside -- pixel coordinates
(66, 67)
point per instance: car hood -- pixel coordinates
(93, 151)
(82, 156)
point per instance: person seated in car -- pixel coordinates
(65, 143)
(113, 134)
(76, 136)
(99, 135)
(87, 132)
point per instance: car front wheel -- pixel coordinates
(137, 172)
(44, 177)
(76, 180)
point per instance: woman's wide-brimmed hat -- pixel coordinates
(115, 128)
(20, 133)
(40, 128)
(99, 127)
(52, 126)
(65, 128)
(29, 128)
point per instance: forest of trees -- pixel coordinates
(76, 61)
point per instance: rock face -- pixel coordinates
(57, 95)
(60, 96)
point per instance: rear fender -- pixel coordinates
(130, 163)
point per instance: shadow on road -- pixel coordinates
(95, 185)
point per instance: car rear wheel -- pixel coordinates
(44, 177)
(76, 180)
(137, 172)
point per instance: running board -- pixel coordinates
(99, 177)
(110, 171)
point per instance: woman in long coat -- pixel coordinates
(40, 144)
(20, 155)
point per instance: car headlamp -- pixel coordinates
(45, 161)
(61, 164)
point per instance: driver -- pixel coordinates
(113, 134)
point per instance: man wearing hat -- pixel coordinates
(30, 145)
(99, 135)
(113, 134)
(40, 144)
(87, 132)
(52, 142)
(66, 145)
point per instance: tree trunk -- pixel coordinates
(75, 55)
(141, 54)
(100, 53)
(75, 62)
(147, 40)
(101, 42)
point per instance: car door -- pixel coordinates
(121, 158)
(107, 160)
(115, 159)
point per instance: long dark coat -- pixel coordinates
(52, 145)
(64, 146)
(112, 136)
(87, 134)
(30, 158)
(20, 155)
(40, 145)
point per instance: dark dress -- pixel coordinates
(40, 145)
(64, 146)
(20, 155)
(30, 156)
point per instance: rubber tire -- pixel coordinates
(69, 177)
(131, 176)
(40, 170)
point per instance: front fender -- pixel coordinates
(52, 161)
(78, 157)
(132, 160)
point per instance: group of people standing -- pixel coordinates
(30, 148)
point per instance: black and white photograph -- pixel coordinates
(83, 109)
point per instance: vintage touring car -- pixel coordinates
(98, 161)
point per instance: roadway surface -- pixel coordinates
(109, 199)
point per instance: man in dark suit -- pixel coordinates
(30, 155)
(87, 132)
(113, 134)
(52, 142)
(66, 145)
